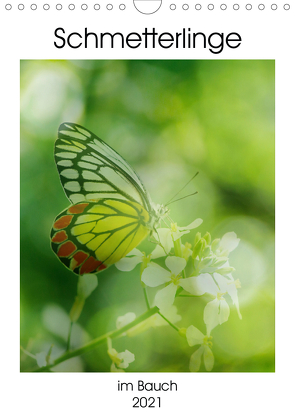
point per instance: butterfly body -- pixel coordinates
(111, 212)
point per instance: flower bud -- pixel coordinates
(207, 237)
(226, 270)
(186, 250)
(205, 262)
(215, 244)
(220, 262)
(198, 248)
(77, 308)
(206, 252)
(197, 238)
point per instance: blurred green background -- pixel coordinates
(168, 119)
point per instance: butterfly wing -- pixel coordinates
(89, 169)
(89, 236)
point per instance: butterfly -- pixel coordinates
(110, 213)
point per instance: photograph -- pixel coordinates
(147, 215)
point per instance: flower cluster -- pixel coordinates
(120, 361)
(191, 270)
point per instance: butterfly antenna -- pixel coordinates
(171, 199)
(181, 198)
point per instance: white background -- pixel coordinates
(266, 34)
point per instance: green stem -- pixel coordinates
(98, 341)
(177, 247)
(144, 265)
(27, 353)
(146, 298)
(69, 336)
(169, 322)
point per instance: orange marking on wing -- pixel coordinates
(78, 259)
(102, 267)
(77, 208)
(66, 249)
(90, 265)
(59, 237)
(62, 222)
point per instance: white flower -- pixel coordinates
(131, 260)
(135, 257)
(186, 250)
(155, 275)
(124, 320)
(196, 337)
(86, 285)
(216, 255)
(229, 285)
(41, 359)
(216, 311)
(163, 236)
(167, 236)
(227, 244)
(178, 231)
(120, 360)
